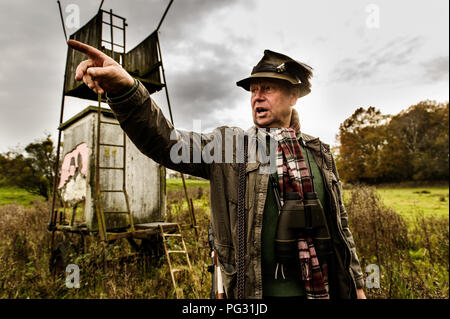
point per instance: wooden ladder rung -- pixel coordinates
(166, 242)
(178, 269)
(176, 251)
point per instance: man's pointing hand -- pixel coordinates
(100, 72)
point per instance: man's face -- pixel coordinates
(271, 103)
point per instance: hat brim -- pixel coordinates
(245, 83)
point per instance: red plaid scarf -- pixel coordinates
(293, 176)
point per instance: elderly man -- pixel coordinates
(277, 233)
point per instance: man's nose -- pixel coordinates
(258, 95)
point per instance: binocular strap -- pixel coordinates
(241, 223)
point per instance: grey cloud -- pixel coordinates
(33, 55)
(182, 21)
(31, 68)
(208, 86)
(210, 82)
(398, 51)
(436, 69)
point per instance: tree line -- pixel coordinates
(410, 146)
(373, 148)
(31, 168)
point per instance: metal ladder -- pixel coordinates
(104, 234)
(101, 213)
(168, 252)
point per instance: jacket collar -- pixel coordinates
(310, 141)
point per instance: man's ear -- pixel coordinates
(293, 99)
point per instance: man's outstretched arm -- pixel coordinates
(138, 115)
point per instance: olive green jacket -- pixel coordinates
(150, 131)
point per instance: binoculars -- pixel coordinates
(305, 217)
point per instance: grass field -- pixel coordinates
(10, 195)
(414, 262)
(176, 183)
(411, 201)
(433, 201)
(407, 201)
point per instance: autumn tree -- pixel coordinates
(362, 138)
(419, 139)
(412, 145)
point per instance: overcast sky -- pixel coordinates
(387, 54)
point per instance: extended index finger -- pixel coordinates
(91, 52)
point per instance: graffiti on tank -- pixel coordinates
(73, 163)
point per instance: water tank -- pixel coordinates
(144, 178)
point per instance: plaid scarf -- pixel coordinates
(293, 176)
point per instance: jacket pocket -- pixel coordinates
(251, 177)
(225, 254)
(251, 172)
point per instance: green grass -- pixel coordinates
(432, 201)
(9, 195)
(407, 201)
(177, 183)
(410, 201)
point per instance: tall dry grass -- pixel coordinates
(413, 259)
(23, 251)
(25, 254)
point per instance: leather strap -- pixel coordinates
(241, 223)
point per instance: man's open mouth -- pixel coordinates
(261, 111)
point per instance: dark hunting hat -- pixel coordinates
(279, 66)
